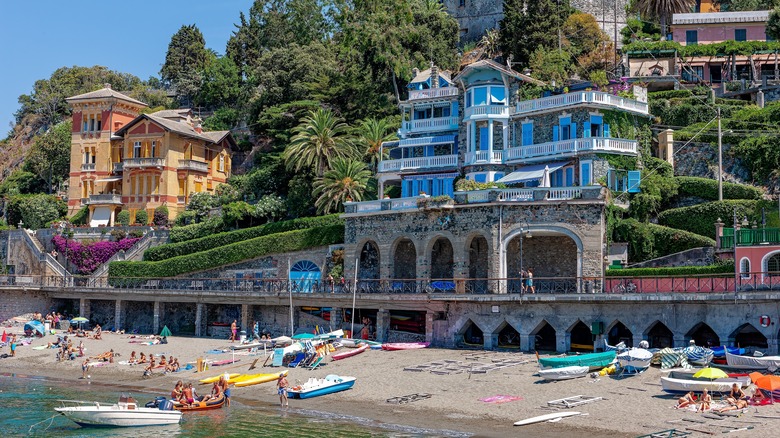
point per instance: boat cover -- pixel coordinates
(698, 355)
(720, 351)
(593, 360)
(671, 358)
(771, 363)
(636, 358)
(564, 373)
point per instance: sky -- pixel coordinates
(39, 36)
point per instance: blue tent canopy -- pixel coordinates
(35, 328)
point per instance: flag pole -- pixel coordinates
(289, 288)
(354, 293)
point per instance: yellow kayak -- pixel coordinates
(261, 378)
(217, 377)
(242, 377)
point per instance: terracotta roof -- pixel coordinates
(104, 93)
(496, 66)
(180, 128)
(721, 17)
(178, 113)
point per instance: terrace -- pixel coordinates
(569, 148)
(593, 98)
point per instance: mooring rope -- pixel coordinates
(50, 420)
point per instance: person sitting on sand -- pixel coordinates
(133, 360)
(163, 362)
(142, 358)
(686, 400)
(80, 333)
(98, 332)
(706, 401)
(175, 365)
(739, 404)
(735, 394)
(150, 367)
(758, 397)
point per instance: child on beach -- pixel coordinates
(13, 346)
(84, 368)
(282, 384)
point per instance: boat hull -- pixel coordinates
(546, 417)
(771, 363)
(594, 361)
(111, 416)
(565, 373)
(328, 387)
(261, 378)
(635, 360)
(404, 346)
(346, 354)
(674, 386)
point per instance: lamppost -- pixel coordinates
(524, 233)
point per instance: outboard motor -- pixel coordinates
(166, 405)
(156, 402)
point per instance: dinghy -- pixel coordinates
(555, 416)
(316, 387)
(595, 361)
(770, 363)
(672, 385)
(393, 346)
(564, 373)
(635, 360)
(125, 413)
(260, 378)
(350, 353)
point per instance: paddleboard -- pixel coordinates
(547, 417)
(261, 378)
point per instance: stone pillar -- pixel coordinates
(381, 185)
(637, 339)
(718, 233)
(505, 135)
(460, 270)
(336, 318)
(525, 342)
(200, 319)
(666, 146)
(84, 309)
(760, 99)
(118, 315)
(490, 340)
(678, 341)
(385, 262)
(156, 322)
(472, 137)
(246, 310)
(562, 341)
(429, 317)
(382, 325)
(773, 347)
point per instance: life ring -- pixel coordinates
(764, 321)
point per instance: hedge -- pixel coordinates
(648, 241)
(163, 252)
(700, 219)
(727, 268)
(195, 231)
(224, 255)
(708, 189)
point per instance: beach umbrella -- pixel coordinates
(4, 339)
(769, 383)
(755, 375)
(165, 331)
(79, 320)
(710, 373)
(303, 336)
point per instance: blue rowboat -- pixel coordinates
(316, 387)
(594, 361)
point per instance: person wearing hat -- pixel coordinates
(282, 384)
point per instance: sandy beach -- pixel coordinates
(631, 406)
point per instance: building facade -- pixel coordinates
(124, 160)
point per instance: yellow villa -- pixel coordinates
(123, 160)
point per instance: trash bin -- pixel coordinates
(243, 336)
(47, 327)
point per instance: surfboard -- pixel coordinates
(546, 417)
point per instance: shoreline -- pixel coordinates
(630, 406)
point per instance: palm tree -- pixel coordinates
(345, 181)
(319, 139)
(372, 134)
(663, 10)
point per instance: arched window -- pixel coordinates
(305, 276)
(744, 267)
(773, 263)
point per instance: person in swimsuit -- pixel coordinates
(685, 401)
(530, 281)
(187, 396)
(282, 384)
(735, 395)
(233, 328)
(84, 368)
(225, 385)
(706, 401)
(176, 394)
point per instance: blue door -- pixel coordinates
(304, 276)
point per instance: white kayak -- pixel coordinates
(564, 373)
(547, 417)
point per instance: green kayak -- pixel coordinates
(592, 360)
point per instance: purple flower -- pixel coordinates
(88, 258)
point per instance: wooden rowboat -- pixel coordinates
(350, 353)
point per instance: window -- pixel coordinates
(181, 187)
(497, 95)
(86, 123)
(744, 267)
(740, 34)
(773, 263)
(99, 123)
(691, 37)
(221, 165)
(480, 96)
(468, 99)
(154, 149)
(137, 149)
(693, 74)
(528, 134)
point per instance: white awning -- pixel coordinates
(101, 216)
(530, 173)
(109, 179)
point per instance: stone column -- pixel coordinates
(472, 137)
(525, 342)
(760, 99)
(562, 341)
(381, 186)
(637, 339)
(382, 325)
(156, 322)
(490, 340)
(773, 346)
(84, 309)
(505, 134)
(679, 341)
(200, 319)
(118, 315)
(385, 262)
(246, 310)
(429, 317)
(460, 269)
(336, 318)
(718, 233)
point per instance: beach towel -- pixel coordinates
(498, 399)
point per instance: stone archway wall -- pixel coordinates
(549, 256)
(369, 262)
(478, 258)
(442, 259)
(405, 261)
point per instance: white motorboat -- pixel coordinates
(125, 413)
(771, 363)
(635, 360)
(316, 387)
(564, 373)
(673, 385)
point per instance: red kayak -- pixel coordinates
(350, 353)
(224, 362)
(393, 346)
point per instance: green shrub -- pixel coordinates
(224, 255)
(123, 218)
(186, 217)
(81, 217)
(700, 219)
(142, 217)
(170, 250)
(708, 189)
(648, 241)
(200, 229)
(34, 211)
(727, 268)
(160, 216)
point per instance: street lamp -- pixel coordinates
(524, 232)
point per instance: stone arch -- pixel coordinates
(703, 335)
(404, 260)
(478, 256)
(471, 334)
(658, 335)
(305, 276)
(747, 335)
(369, 261)
(543, 337)
(508, 336)
(442, 257)
(565, 261)
(771, 262)
(619, 332)
(580, 336)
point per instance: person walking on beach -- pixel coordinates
(84, 368)
(13, 346)
(233, 331)
(224, 384)
(282, 384)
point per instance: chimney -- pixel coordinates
(434, 76)
(197, 126)
(106, 85)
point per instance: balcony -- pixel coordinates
(88, 167)
(595, 98)
(486, 112)
(750, 237)
(103, 199)
(198, 166)
(131, 163)
(382, 205)
(484, 157)
(118, 167)
(433, 93)
(407, 164)
(429, 125)
(569, 148)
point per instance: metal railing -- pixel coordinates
(143, 162)
(749, 237)
(433, 93)
(565, 148)
(570, 99)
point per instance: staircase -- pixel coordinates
(135, 253)
(39, 252)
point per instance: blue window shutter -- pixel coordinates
(480, 178)
(455, 109)
(483, 139)
(555, 133)
(586, 130)
(528, 134)
(405, 188)
(606, 130)
(573, 130)
(634, 179)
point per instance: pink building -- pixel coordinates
(716, 27)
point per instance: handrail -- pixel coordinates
(41, 254)
(139, 247)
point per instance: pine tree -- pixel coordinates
(186, 57)
(530, 25)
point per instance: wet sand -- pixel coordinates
(631, 406)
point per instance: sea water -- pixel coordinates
(27, 409)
